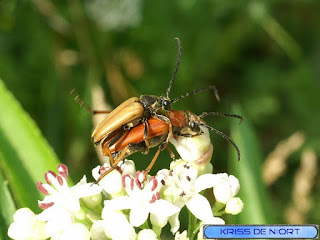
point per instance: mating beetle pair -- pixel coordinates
(142, 123)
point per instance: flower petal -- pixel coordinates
(75, 231)
(117, 227)
(235, 185)
(223, 192)
(210, 180)
(160, 211)
(174, 222)
(138, 216)
(200, 207)
(115, 204)
(147, 234)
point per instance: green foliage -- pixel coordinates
(25, 155)
(257, 208)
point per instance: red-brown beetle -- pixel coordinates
(140, 123)
(137, 139)
(184, 123)
(135, 110)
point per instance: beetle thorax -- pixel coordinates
(154, 104)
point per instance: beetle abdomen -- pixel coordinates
(136, 134)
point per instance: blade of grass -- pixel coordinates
(253, 192)
(7, 208)
(24, 154)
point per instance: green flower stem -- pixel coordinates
(145, 225)
(192, 226)
(217, 207)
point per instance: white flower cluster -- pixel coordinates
(123, 205)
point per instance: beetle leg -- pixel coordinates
(188, 134)
(145, 137)
(167, 120)
(106, 151)
(162, 145)
(171, 153)
(152, 163)
(114, 164)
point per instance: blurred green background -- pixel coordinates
(263, 57)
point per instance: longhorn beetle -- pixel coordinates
(138, 124)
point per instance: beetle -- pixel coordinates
(184, 123)
(134, 118)
(188, 124)
(126, 142)
(135, 110)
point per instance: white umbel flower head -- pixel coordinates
(234, 206)
(26, 226)
(143, 198)
(182, 187)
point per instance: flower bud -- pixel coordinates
(226, 190)
(234, 206)
(195, 150)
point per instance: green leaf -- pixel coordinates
(24, 154)
(7, 208)
(253, 192)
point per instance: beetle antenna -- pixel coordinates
(176, 68)
(211, 87)
(224, 136)
(82, 103)
(204, 114)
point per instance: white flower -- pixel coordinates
(234, 206)
(147, 234)
(112, 182)
(26, 226)
(142, 200)
(61, 205)
(196, 150)
(182, 187)
(227, 189)
(75, 231)
(59, 194)
(113, 226)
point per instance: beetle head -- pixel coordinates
(193, 122)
